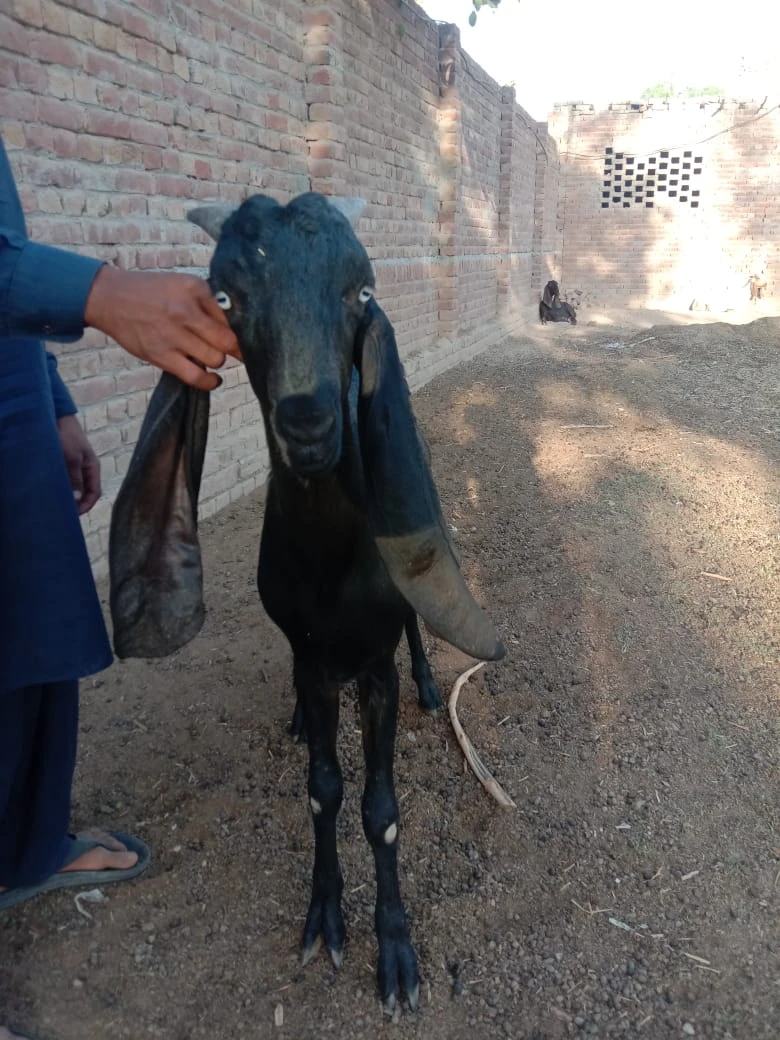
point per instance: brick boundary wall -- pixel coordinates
(120, 115)
(669, 204)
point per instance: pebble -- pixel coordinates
(689, 1029)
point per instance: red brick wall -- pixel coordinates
(477, 235)
(671, 252)
(391, 104)
(119, 115)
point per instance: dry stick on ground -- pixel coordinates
(481, 771)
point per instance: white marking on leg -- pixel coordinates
(390, 834)
(315, 806)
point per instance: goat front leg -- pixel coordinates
(319, 701)
(378, 693)
(428, 697)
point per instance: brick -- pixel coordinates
(64, 114)
(54, 50)
(13, 135)
(28, 12)
(105, 441)
(55, 18)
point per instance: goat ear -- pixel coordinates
(403, 506)
(154, 554)
(211, 218)
(352, 208)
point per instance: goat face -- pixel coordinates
(551, 293)
(295, 281)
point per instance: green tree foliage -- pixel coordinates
(668, 90)
(481, 3)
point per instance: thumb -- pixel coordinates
(76, 475)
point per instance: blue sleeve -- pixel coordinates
(43, 290)
(63, 402)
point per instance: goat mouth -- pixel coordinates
(312, 459)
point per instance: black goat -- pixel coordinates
(552, 308)
(353, 544)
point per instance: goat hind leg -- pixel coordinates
(429, 697)
(320, 703)
(397, 967)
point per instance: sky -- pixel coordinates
(567, 50)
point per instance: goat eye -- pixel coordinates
(365, 294)
(223, 301)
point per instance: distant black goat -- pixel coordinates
(353, 543)
(552, 308)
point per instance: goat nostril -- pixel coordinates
(305, 419)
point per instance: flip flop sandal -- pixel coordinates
(82, 878)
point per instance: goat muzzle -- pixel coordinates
(308, 428)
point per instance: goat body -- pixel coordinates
(353, 545)
(552, 308)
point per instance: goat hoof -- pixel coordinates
(390, 1008)
(429, 699)
(398, 968)
(324, 921)
(311, 951)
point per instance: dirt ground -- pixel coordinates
(612, 490)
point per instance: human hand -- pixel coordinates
(170, 320)
(82, 462)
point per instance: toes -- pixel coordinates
(390, 1007)
(103, 859)
(324, 921)
(413, 996)
(429, 698)
(107, 840)
(397, 969)
(311, 950)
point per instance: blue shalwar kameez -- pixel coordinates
(52, 631)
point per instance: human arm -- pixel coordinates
(43, 290)
(168, 320)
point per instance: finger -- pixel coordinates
(215, 333)
(226, 341)
(192, 374)
(192, 344)
(75, 474)
(208, 304)
(92, 489)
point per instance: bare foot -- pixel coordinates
(113, 857)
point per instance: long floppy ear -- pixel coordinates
(403, 505)
(154, 553)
